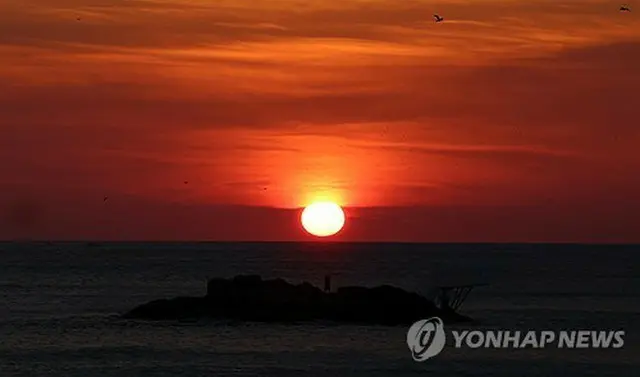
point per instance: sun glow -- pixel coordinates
(323, 219)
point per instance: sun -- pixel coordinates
(322, 219)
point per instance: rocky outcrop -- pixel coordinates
(249, 298)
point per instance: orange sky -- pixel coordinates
(510, 121)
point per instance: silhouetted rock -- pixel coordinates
(248, 297)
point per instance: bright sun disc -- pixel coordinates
(322, 219)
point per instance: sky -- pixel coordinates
(511, 121)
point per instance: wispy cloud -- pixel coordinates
(370, 101)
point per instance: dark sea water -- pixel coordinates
(60, 306)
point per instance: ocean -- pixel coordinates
(61, 303)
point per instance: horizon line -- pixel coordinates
(320, 242)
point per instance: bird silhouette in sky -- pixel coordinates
(437, 18)
(105, 199)
(625, 8)
(186, 182)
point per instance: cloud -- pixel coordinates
(137, 219)
(494, 25)
(587, 92)
(369, 101)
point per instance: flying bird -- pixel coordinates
(438, 18)
(185, 182)
(105, 199)
(625, 8)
